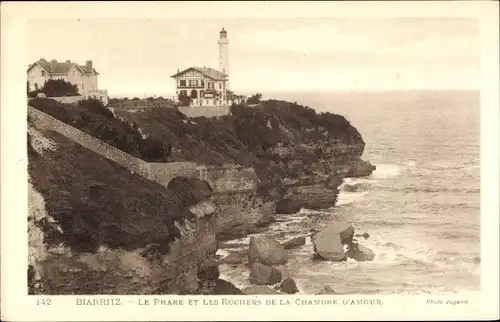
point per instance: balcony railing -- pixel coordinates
(191, 86)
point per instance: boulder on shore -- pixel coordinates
(294, 242)
(326, 290)
(360, 253)
(234, 258)
(288, 206)
(266, 250)
(223, 287)
(261, 274)
(288, 286)
(259, 290)
(328, 243)
(225, 245)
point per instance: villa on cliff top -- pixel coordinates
(83, 76)
(206, 86)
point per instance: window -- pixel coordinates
(220, 86)
(43, 73)
(202, 93)
(182, 82)
(202, 83)
(210, 85)
(193, 82)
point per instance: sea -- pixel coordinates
(421, 207)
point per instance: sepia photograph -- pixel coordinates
(334, 156)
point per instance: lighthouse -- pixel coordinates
(223, 53)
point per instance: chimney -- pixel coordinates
(52, 63)
(88, 65)
(68, 62)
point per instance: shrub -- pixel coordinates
(58, 88)
(95, 106)
(184, 99)
(254, 99)
(92, 117)
(114, 100)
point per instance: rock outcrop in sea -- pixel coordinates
(330, 243)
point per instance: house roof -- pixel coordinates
(207, 71)
(58, 68)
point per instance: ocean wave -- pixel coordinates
(447, 255)
(393, 245)
(440, 189)
(345, 198)
(385, 171)
(384, 222)
(427, 188)
(355, 187)
(411, 163)
(458, 235)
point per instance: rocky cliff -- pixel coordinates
(299, 156)
(95, 228)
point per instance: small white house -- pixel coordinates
(207, 86)
(83, 76)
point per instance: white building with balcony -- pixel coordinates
(207, 86)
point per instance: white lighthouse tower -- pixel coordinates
(223, 54)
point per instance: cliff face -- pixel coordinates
(240, 214)
(298, 155)
(95, 228)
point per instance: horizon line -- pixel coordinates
(250, 92)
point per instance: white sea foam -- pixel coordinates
(385, 171)
(411, 163)
(222, 252)
(346, 198)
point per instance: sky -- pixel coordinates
(136, 57)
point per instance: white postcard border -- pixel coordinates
(16, 305)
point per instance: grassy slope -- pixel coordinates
(245, 136)
(97, 202)
(92, 117)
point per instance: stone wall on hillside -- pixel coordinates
(164, 172)
(44, 121)
(206, 111)
(222, 179)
